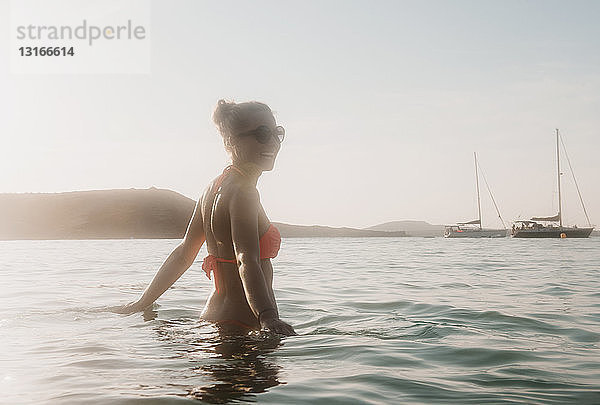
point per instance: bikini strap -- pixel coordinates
(220, 179)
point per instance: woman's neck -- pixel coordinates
(249, 170)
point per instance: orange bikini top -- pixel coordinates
(269, 245)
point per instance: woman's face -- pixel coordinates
(247, 147)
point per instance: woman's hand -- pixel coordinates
(276, 325)
(127, 308)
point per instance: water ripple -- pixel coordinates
(398, 320)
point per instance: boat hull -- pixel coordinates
(476, 233)
(553, 232)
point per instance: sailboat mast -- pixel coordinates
(558, 175)
(477, 184)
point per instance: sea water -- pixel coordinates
(379, 321)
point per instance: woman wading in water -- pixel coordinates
(240, 238)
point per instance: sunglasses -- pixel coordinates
(263, 133)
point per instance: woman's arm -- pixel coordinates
(267, 267)
(243, 212)
(180, 259)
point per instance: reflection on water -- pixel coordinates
(244, 369)
(235, 363)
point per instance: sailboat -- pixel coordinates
(552, 227)
(474, 229)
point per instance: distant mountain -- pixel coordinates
(100, 214)
(122, 214)
(412, 228)
(315, 231)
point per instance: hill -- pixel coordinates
(300, 231)
(412, 228)
(100, 214)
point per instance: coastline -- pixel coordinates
(125, 214)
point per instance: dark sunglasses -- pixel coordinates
(263, 133)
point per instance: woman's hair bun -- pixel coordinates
(223, 105)
(221, 115)
(229, 115)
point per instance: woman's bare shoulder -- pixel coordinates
(244, 194)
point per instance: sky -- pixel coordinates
(384, 103)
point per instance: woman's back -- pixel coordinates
(228, 300)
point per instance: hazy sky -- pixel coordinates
(384, 103)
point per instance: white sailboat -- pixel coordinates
(552, 227)
(474, 229)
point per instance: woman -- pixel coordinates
(239, 236)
